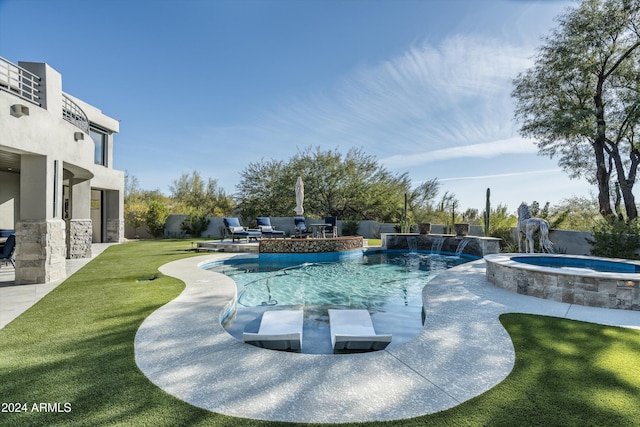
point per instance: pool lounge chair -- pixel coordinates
(352, 331)
(267, 230)
(301, 229)
(279, 330)
(8, 250)
(332, 229)
(233, 229)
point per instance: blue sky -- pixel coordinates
(424, 86)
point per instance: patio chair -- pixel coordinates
(352, 331)
(332, 229)
(301, 229)
(233, 229)
(279, 330)
(265, 227)
(8, 250)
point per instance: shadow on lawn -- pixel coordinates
(566, 373)
(82, 364)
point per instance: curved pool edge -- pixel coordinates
(462, 352)
(612, 290)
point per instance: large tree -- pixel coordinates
(349, 186)
(581, 99)
(193, 195)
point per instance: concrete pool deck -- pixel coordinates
(462, 352)
(16, 299)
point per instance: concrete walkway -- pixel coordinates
(462, 352)
(16, 299)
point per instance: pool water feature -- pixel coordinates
(389, 285)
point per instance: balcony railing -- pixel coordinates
(19, 81)
(72, 113)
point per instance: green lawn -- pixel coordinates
(76, 346)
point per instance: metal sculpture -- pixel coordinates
(528, 226)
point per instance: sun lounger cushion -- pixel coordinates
(352, 330)
(279, 330)
(7, 233)
(234, 229)
(264, 225)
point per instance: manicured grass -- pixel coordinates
(374, 242)
(76, 346)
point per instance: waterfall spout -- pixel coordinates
(436, 246)
(412, 243)
(463, 244)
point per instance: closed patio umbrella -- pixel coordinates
(299, 196)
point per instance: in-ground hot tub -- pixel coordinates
(574, 279)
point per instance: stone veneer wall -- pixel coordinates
(477, 246)
(287, 246)
(79, 237)
(115, 230)
(592, 291)
(40, 251)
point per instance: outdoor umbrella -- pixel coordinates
(299, 196)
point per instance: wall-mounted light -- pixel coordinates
(19, 110)
(78, 136)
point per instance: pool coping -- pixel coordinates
(462, 352)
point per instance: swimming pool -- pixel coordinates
(387, 284)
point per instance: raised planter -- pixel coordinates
(296, 246)
(461, 229)
(424, 228)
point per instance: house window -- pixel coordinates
(100, 142)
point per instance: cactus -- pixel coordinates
(487, 213)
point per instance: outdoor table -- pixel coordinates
(318, 229)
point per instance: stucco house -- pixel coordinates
(58, 188)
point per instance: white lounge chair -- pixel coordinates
(279, 330)
(352, 330)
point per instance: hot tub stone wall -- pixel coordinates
(287, 246)
(603, 292)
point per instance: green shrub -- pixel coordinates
(615, 240)
(350, 227)
(194, 224)
(156, 218)
(502, 222)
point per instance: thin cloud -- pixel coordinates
(484, 150)
(431, 103)
(501, 175)
(429, 98)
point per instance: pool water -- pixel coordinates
(389, 285)
(587, 264)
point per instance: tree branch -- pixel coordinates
(624, 56)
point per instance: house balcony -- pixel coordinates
(28, 87)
